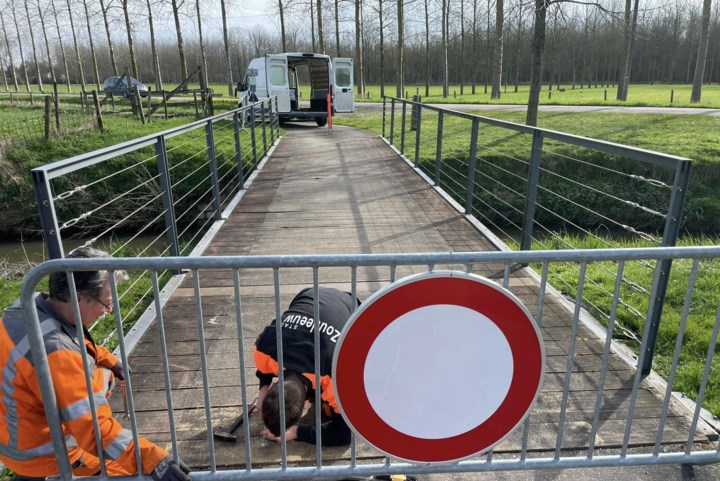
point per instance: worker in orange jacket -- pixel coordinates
(25, 442)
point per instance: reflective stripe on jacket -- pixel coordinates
(25, 442)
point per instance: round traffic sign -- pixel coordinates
(438, 367)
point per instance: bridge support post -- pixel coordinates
(383, 118)
(439, 146)
(662, 269)
(167, 197)
(253, 138)
(238, 150)
(264, 134)
(418, 122)
(532, 190)
(48, 219)
(472, 167)
(210, 137)
(392, 121)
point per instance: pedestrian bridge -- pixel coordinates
(344, 209)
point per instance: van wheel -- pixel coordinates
(281, 122)
(321, 121)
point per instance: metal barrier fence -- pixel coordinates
(532, 184)
(156, 195)
(596, 407)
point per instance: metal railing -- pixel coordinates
(533, 183)
(156, 195)
(618, 416)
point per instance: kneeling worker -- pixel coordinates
(298, 327)
(25, 443)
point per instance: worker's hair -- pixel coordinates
(89, 283)
(294, 403)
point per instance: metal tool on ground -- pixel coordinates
(228, 435)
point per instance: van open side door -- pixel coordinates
(343, 87)
(276, 67)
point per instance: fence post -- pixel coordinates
(47, 118)
(264, 135)
(167, 197)
(56, 101)
(271, 116)
(413, 112)
(383, 118)
(402, 130)
(98, 112)
(253, 139)
(532, 190)
(48, 219)
(472, 166)
(392, 121)
(662, 269)
(210, 136)
(138, 104)
(418, 123)
(149, 105)
(238, 151)
(439, 146)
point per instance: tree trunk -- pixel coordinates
(180, 44)
(382, 50)
(34, 49)
(131, 48)
(498, 54)
(702, 53)
(113, 62)
(2, 67)
(624, 83)
(203, 57)
(47, 44)
(462, 48)
(538, 49)
(337, 30)
(427, 49)
(444, 28)
(92, 46)
(283, 39)
(312, 26)
(474, 47)
(399, 74)
(517, 49)
(7, 46)
(81, 73)
(153, 47)
(321, 39)
(226, 44)
(360, 77)
(487, 48)
(22, 56)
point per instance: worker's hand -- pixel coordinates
(290, 434)
(169, 470)
(117, 370)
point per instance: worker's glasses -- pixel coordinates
(108, 308)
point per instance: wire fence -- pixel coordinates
(539, 189)
(160, 194)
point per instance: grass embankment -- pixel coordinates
(690, 136)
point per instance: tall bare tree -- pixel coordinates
(359, 67)
(47, 43)
(498, 49)
(9, 51)
(630, 27)
(203, 57)
(538, 49)
(462, 47)
(77, 48)
(474, 45)
(104, 9)
(181, 47)
(321, 39)
(312, 25)
(226, 43)
(62, 47)
(382, 47)
(156, 61)
(19, 39)
(131, 46)
(399, 58)
(34, 49)
(92, 45)
(702, 53)
(2, 68)
(337, 29)
(427, 49)
(445, 19)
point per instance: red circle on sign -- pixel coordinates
(415, 292)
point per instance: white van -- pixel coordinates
(280, 75)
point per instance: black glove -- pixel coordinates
(117, 370)
(169, 470)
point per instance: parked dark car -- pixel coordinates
(111, 86)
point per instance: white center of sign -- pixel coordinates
(438, 371)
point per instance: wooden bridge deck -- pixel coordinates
(349, 193)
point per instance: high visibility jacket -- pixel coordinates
(298, 326)
(25, 442)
